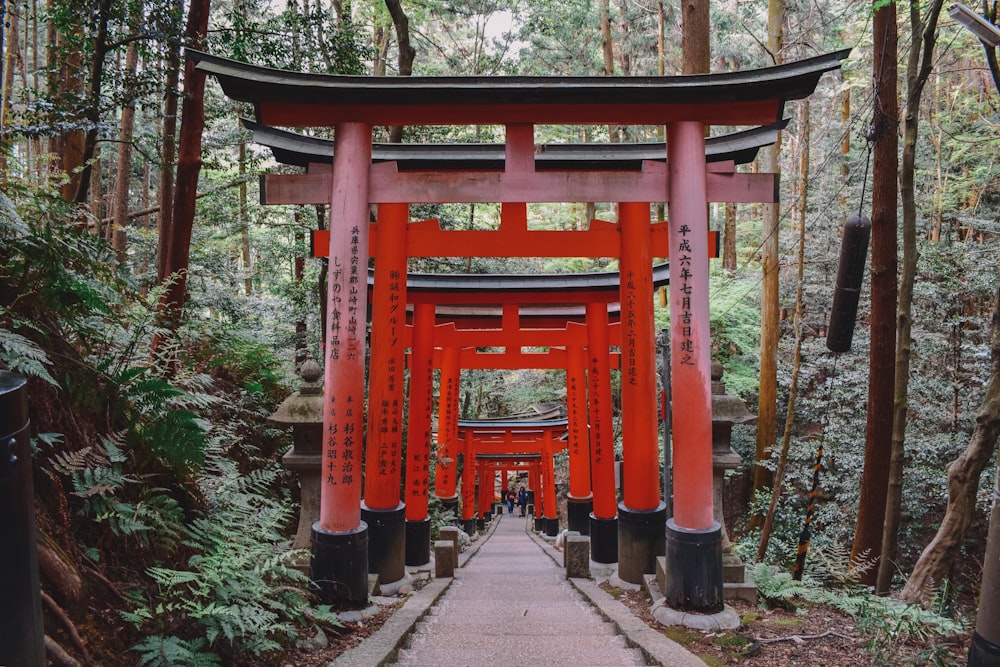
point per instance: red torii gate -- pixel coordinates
(485, 440)
(686, 105)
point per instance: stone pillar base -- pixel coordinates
(694, 568)
(578, 514)
(339, 565)
(418, 542)
(386, 541)
(640, 540)
(983, 653)
(603, 539)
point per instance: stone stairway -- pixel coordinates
(511, 604)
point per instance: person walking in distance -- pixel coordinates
(511, 497)
(522, 500)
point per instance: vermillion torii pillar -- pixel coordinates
(641, 514)
(418, 442)
(694, 538)
(339, 563)
(382, 509)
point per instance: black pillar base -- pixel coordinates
(640, 540)
(539, 523)
(418, 542)
(386, 542)
(469, 526)
(603, 539)
(983, 653)
(339, 566)
(694, 568)
(578, 514)
(488, 516)
(480, 525)
(551, 526)
(21, 632)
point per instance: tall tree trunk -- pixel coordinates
(406, 52)
(92, 110)
(786, 438)
(935, 563)
(65, 83)
(770, 312)
(188, 169)
(695, 47)
(168, 153)
(918, 68)
(123, 172)
(245, 223)
(9, 54)
(878, 430)
(729, 239)
(608, 54)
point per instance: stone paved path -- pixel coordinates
(511, 604)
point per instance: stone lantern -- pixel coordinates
(727, 410)
(303, 411)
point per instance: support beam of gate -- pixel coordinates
(388, 185)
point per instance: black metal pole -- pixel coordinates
(22, 639)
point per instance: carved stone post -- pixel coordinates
(727, 410)
(303, 411)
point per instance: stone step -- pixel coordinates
(527, 654)
(526, 627)
(500, 642)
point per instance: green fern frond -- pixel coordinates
(70, 463)
(160, 651)
(21, 355)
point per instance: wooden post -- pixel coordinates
(694, 538)
(343, 574)
(690, 362)
(641, 515)
(446, 478)
(580, 500)
(640, 443)
(418, 436)
(382, 509)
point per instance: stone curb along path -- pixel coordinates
(383, 646)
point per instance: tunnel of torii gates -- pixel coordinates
(687, 106)
(531, 311)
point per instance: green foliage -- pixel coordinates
(174, 652)
(238, 593)
(98, 477)
(885, 623)
(23, 356)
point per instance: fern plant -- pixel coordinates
(119, 500)
(884, 622)
(239, 593)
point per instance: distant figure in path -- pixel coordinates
(522, 500)
(511, 497)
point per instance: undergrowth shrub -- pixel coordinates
(237, 594)
(884, 623)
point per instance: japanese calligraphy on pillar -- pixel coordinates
(344, 409)
(631, 346)
(685, 342)
(596, 396)
(575, 432)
